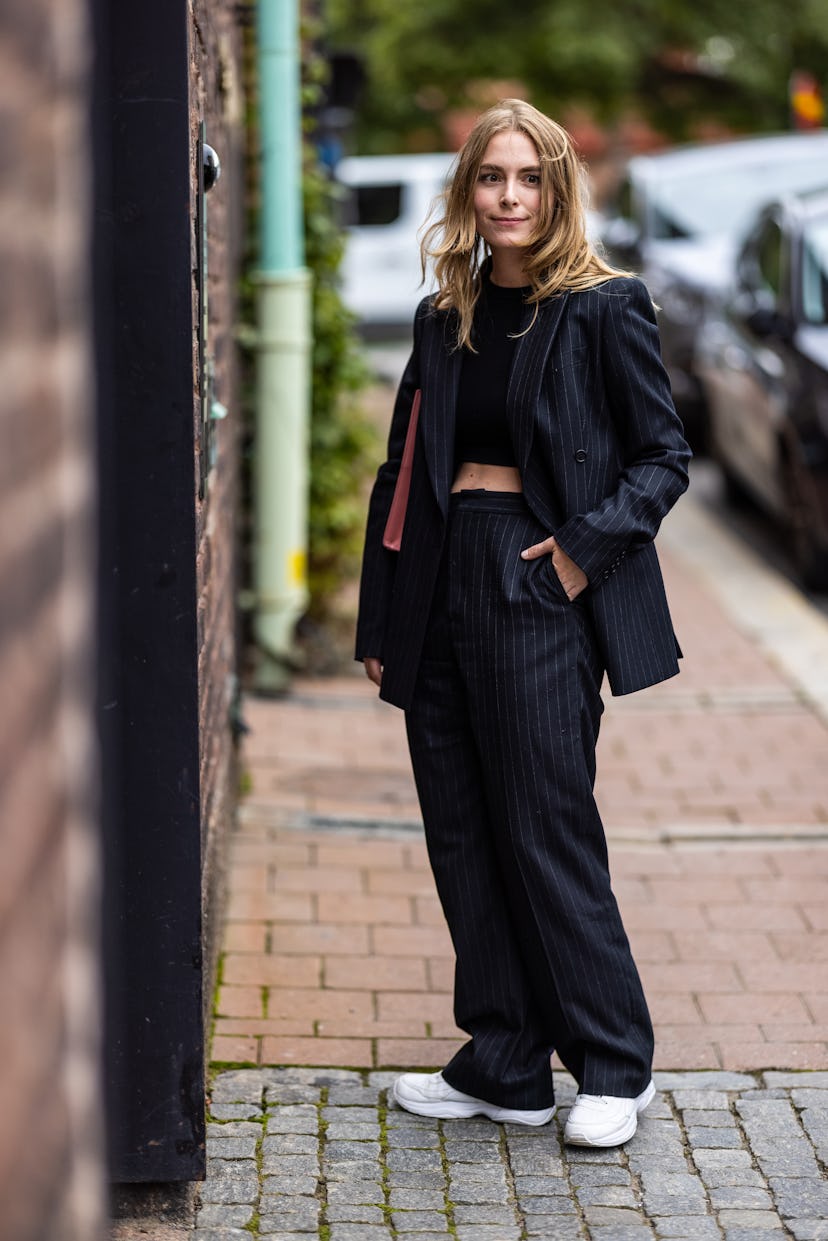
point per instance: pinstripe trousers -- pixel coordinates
(502, 732)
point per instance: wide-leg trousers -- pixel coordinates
(502, 732)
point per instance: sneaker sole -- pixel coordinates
(446, 1110)
(619, 1136)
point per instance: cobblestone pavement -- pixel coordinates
(300, 1153)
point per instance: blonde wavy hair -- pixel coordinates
(557, 258)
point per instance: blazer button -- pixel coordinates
(580, 455)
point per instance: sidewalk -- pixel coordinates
(714, 792)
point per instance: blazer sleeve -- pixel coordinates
(655, 454)
(378, 563)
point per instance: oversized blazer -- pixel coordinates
(602, 459)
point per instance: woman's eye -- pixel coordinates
(533, 178)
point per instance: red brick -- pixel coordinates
(753, 1056)
(239, 1001)
(722, 945)
(412, 941)
(235, 1049)
(269, 907)
(652, 945)
(376, 973)
(781, 1032)
(321, 938)
(255, 1027)
(404, 882)
(245, 937)
(803, 946)
(317, 879)
(773, 976)
(759, 917)
(440, 974)
(378, 854)
(751, 1008)
(360, 908)
(425, 1053)
(276, 971)
(313, 1004)
(684, 1056)
(673, 1008)
(690, 976)
(334, 1052)
(428, 911)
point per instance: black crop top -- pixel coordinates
(481, 431)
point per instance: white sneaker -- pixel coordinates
(428, 1094)
(605, 1120)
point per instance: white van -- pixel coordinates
(388, 197)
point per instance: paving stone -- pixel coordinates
(614, 1217)
(594, 1154)
(688, 1228)
(808, 1229)
(607, 1196)
(792, 1160)
(292, 1221)
(274, 1163)
(703, 1100)
(234, 1129)
(623, 1232)
(472, 1130)
(351, 1131)
(476, 1174)
(233, 1148)
(800, 1196)
(713, 1079)
(710, 1119)
(234, 1111)
(676, 1193)
(220, 1234)
(599, 1174)
(471, 1152)
(542, 1186)
(354, 1191)
(551, 1205)
(420, 1139)
(714, 1138)
(478, 1192)
(482, 1214)
(291, 1144)
(709, 1159)
(240, 1190)
(419, 1221)
(407, 1160)
(535, 1163)
(418, 1179)
(813, 1079)
(293, 1119)
(486, 1232)
(351, 1170)
(354, 1213)
(554, 1228)
(341, 1151)
(224, 1215)
(289, 1185)
(746, 1197)
(761, 1221)
(347, 1094)
(358, 1232)
(416, 1199)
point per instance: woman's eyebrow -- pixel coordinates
(497, 168)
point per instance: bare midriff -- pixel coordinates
(474, 476)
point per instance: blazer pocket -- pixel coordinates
(573, 358)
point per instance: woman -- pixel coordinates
(547, 452)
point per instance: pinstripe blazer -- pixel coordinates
(602, 458)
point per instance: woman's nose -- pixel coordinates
(509, 194)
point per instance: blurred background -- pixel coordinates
(209, 256)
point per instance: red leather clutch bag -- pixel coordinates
(396, 514)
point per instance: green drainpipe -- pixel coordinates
(283, 347)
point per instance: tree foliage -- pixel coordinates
(669, 59)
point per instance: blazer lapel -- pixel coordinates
(531, 355)
(440, 371)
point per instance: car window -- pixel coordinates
(815, 273)
(769, 258)
(375, 204)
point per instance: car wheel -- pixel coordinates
(810, 552)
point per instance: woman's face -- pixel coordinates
(507, 197)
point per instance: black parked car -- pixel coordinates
(763, 363)
(679, 219)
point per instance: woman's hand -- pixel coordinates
(573, 579)
(373, 669)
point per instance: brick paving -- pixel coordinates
(337, 966)
(295, 1153)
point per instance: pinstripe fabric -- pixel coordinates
(502, 730)
(602, 459)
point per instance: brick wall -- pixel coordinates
(216, 98)
(50, 1139)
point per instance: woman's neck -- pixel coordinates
(507, 269)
